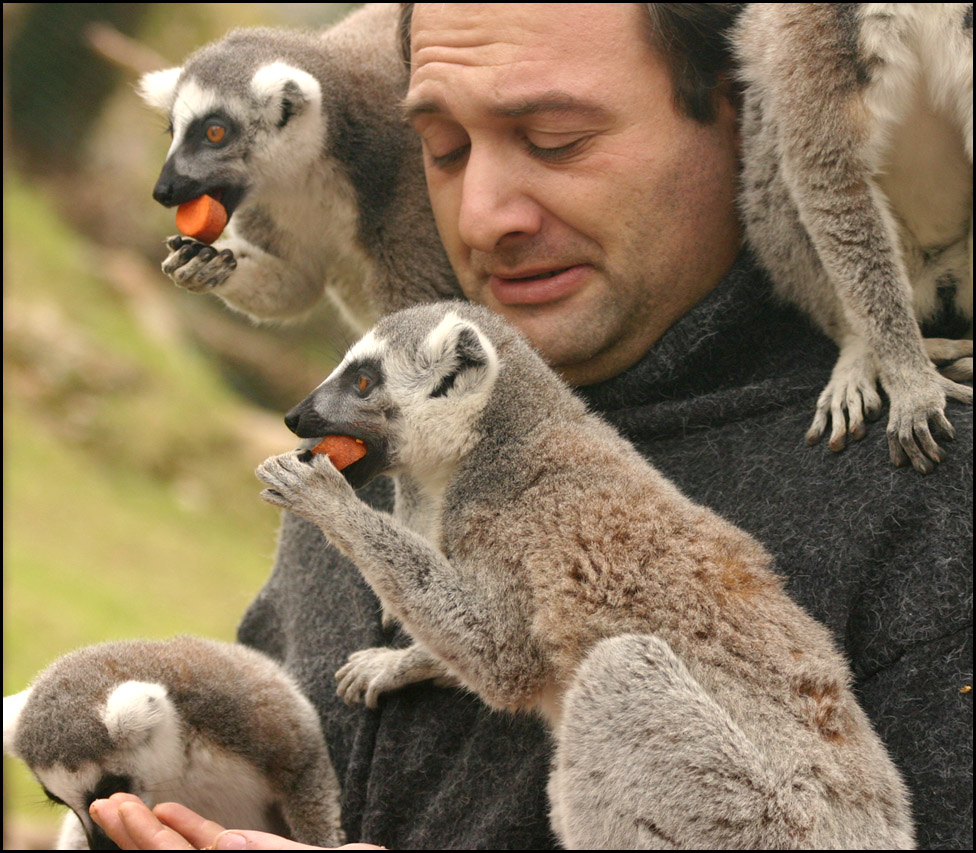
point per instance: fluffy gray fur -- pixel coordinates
(538, 560)
(857, 197)
(322, 178)
(220, 728)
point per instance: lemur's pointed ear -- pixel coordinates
(158, 89)
(12, 708)
(134, 709)
(284, 92)
(461, 358)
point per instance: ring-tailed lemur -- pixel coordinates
(857, 195)
(535, 557)
(321, 177)
(218, 727)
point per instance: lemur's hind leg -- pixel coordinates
(645, 758)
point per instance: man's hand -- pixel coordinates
(170, 826)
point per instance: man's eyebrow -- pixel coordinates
(409, 110)
(554, 102)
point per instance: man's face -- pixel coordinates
(571, 195)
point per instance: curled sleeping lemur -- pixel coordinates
(538, 560)
(857, 196)
(218, 727)
(322, 179)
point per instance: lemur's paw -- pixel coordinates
(850, 400)
(918, 416)
(197, 266)
(304, 483)
(370, 673)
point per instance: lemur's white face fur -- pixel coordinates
(142, 754)
(412, 389)
(235, 126)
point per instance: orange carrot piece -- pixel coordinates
(204, 218)
(343, 450)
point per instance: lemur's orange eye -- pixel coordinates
(363, 383)
(216, 133)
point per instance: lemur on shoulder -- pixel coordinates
(857, 196)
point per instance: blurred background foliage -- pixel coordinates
(134, 413)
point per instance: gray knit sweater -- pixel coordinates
(882, 556)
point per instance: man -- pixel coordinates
(581, 166)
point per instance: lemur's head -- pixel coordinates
(241, 111)
(86, 736)
(413, 390)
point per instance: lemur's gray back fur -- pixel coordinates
(857, 144)
(538, 560)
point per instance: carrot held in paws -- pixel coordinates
(203, 219)
(342, 450)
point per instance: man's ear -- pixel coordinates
(727, 97)
(12, 708)
(285, 92)
(134, 710)
(158, 89)
(460, 357)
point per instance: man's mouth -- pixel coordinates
(534, 276)
(538, 286)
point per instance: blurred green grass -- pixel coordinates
(130, 506)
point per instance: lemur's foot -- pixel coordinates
(918, 401)
(918, 411)
(953, 358)
(371, 672)
(197, 266)
(850, 399)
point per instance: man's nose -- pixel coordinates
(495, 201)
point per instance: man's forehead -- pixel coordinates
(540, 56)
(543, 27)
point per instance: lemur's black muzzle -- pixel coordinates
(172, 188)
(306, 422)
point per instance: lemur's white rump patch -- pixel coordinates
(158, 89)
(919, 128)
(12, 707)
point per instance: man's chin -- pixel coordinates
(567, 344)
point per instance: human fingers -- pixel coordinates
(132, 826)
(197, 830)
(105, 814)
(147, 832)
(241, 839)
(244, 839)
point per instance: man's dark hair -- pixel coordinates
(693, 38)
